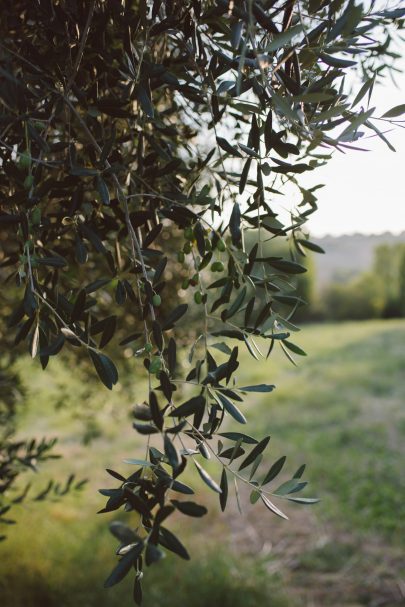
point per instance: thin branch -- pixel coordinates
(83, 41)
(33, 159)
(135, 245)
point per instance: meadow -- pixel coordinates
(340, 411)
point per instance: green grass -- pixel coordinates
(340, 411)
(67, 568)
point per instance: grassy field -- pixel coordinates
(339, 411)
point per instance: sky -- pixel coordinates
(365, 191)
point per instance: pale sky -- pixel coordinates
(364, 191)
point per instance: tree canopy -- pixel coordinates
(145, 149)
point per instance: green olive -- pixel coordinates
(184, 284)
(157, 300)
(221, 245)
(180, 257)
(198, 297)
(188, 233)
(217, 266)
(148, 347)
(25, 161)
(155, 365)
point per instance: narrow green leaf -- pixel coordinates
(230, 408)
(300, 471)
(171, 453)
(368, 85)
(109, 330)
(294, 348)
(236, 452)
(272, 507)
(145, 101)
(255, 466)
(288, 355)
(130, 338)
(268, 131)
(248, 150)
(222, 347)
(284, 107)
(103, 190)
(181, 488)
(381, 135)
(395, 13)
(168, 540)
(156, 413)
(190, 407)
(171, 355)
(124, 566)
(173, 317)
(235, 436)
(304, 500)
(138, 462)
(259, 448)
(224, 490)
(190, 508)
(288, 267)
(122, 532)
(35, 341)
(336, 61)
(55, 262)
(356, 122)
(281, 40)
(292, 486)
(207, 479)
(310, 245)
(244, 175)
(235, 307)
(236, 33)
(105, 368)
(137, 593)
(398, 110)
(235, 484)
(234, 225)
(227, 147)
(274, 470)
(79, 305)
(258, 388)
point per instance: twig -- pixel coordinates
(36, 160)
(83, 41)
(136, 247)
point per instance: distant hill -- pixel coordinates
(347, 256)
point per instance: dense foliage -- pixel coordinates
(142, 143)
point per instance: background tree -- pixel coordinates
(125, 124)
(377, 293)
(388, 270)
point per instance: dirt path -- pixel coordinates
(320, 565)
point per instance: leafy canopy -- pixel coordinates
(141, 144)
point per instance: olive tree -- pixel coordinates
(143, 145)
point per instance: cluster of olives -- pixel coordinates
(24, 162)
(216, 266)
